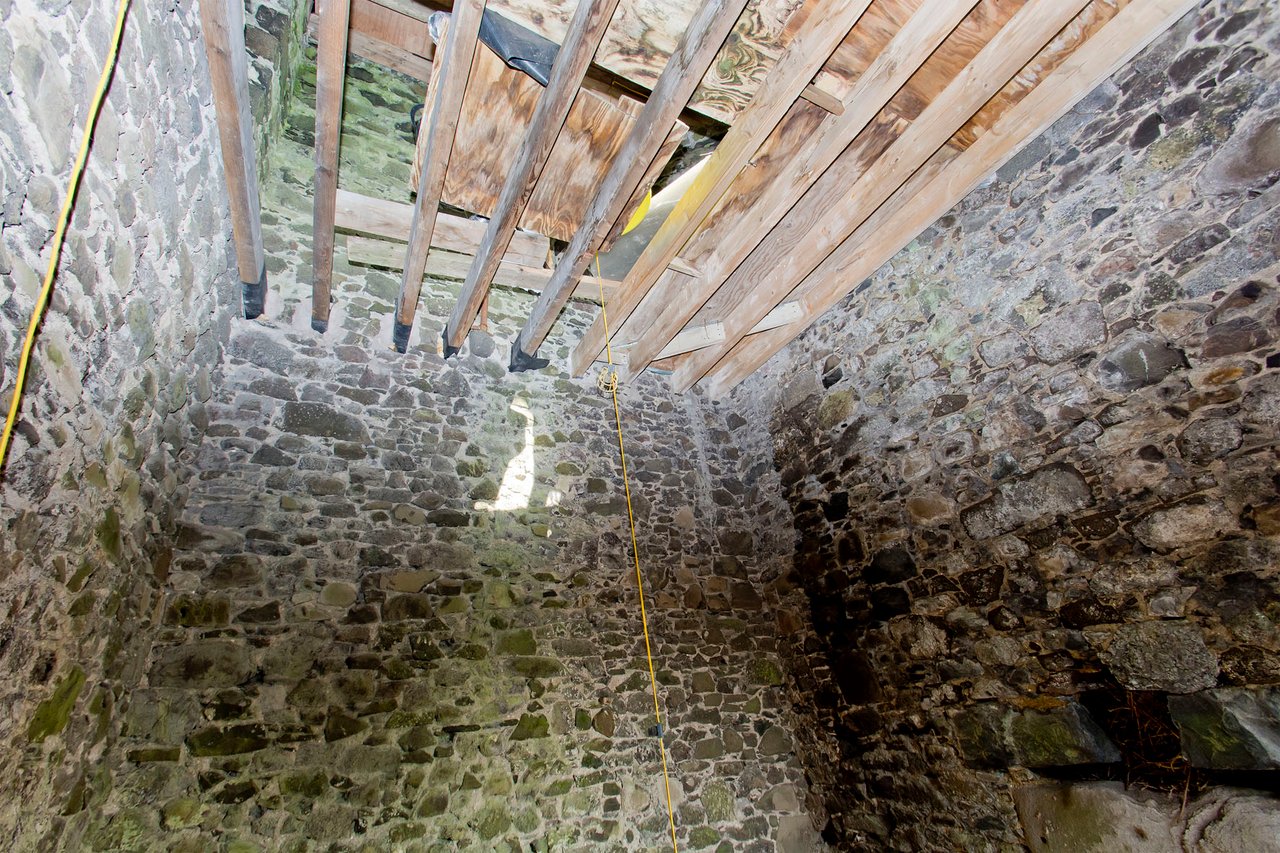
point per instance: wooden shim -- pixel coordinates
(698, 47)
(454, 265)
(585, 31)
(448, 87)
(697, 337)
(822, 98)
(727, 242)
(331, 64)
(823, 29)
(949, 176)
(386, 55)
(846, 194)
(392, 221)
(222, 22)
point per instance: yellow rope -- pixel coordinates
(635, 553)
(60, 232)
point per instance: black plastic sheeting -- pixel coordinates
(521, 48)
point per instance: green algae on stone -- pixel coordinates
(765, 671)
(703, 836)
(181, 813)
(835, 408)
(233, 740)
(717, 801)
(531, 726)
(535, 667)
(108, 533)
(53, 714)
(518, 642)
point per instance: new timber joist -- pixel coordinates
(585, 32)
(452, 69)
(949, 176)
(758, 199)
(695, 52)
(826, 24)
(850, 191)
(223, 24)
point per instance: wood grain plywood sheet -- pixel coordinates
(644, 33)
(496, 112)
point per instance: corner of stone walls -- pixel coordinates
(1030, 467)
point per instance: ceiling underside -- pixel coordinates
(852, 126)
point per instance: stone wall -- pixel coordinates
(115, 405)
(401, 612)
(1031, 463)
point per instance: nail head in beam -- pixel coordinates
(453, 67)
(222, 23)
(331, 64)
(827, 25)
(793, 250)
(586, 30)
(950, 176)
(697, 49)
(723, 245)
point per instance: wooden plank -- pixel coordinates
(331, 64)
(797, 155)
(391, 27)
(453, 67)
(820, 97)
(784, 315)
(497, 111)
(826, 215)
(694, 338)
(585, 31)
(639, 44)
(386, 55)
(414, 9)
(697, 48)
(706, 334)
(826, 23)
(949, 176)
(454, 265)
(222, 22)
(392, 221)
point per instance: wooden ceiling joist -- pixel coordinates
(511, 273)
(949, 176)
(587, 28)
(331, 66)
(392, 220)
(826, 24)
(452, 69)
(698, 47)
(800, 155)
(222, 22)
(847, 195)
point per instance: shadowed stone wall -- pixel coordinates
(126, 360)
(1035, 456)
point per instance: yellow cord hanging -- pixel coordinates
(610, 382)
(60, 232)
